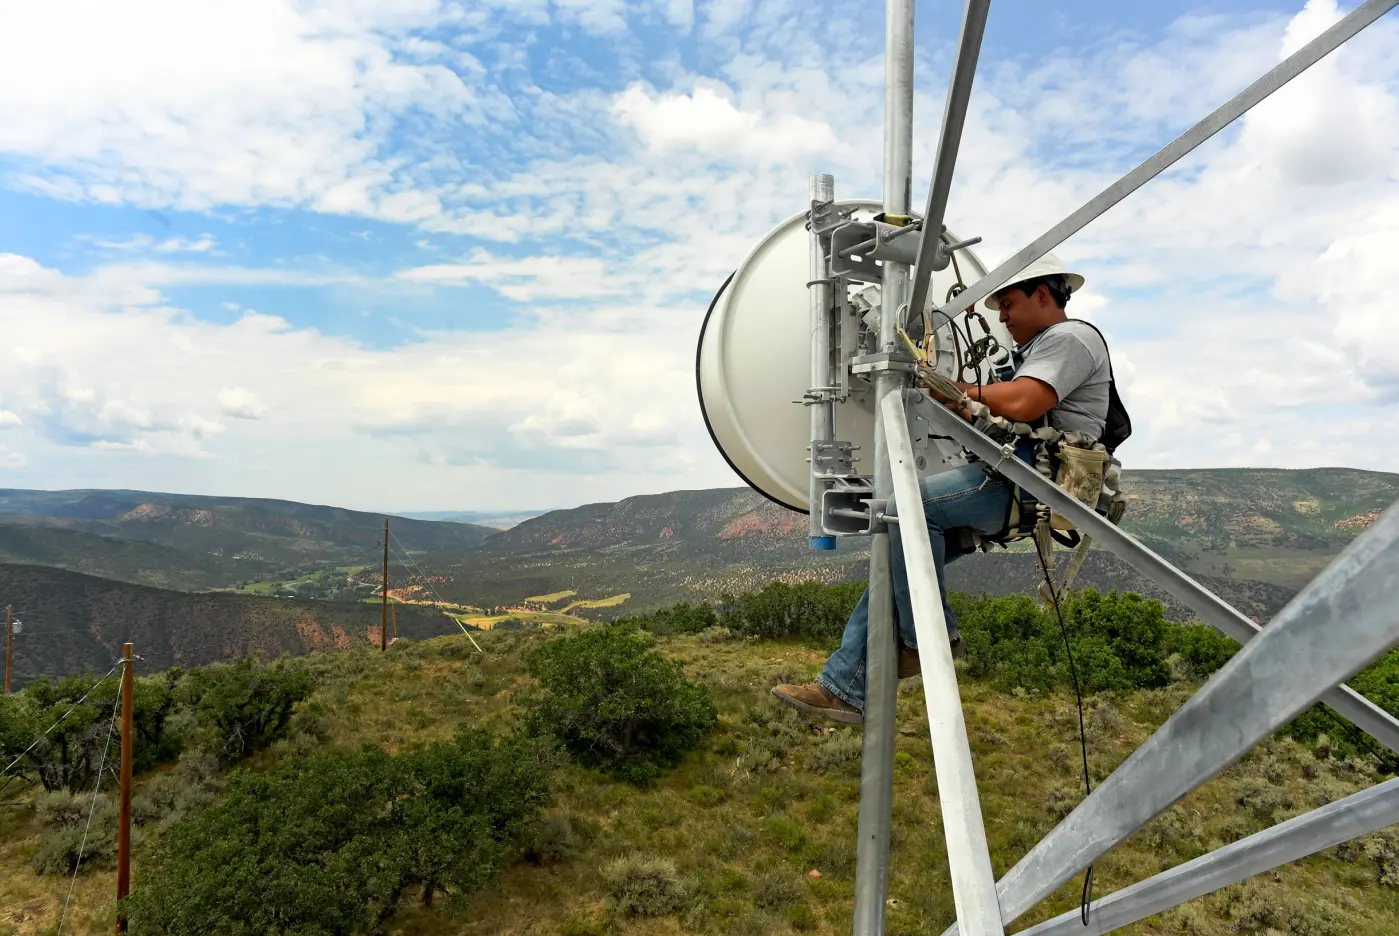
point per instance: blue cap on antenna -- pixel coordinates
(823, 542)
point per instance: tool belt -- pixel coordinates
(1084, 469)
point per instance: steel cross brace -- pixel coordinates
(1289, 68)
(1307, 834)
(1339, 623)
(1374, 720)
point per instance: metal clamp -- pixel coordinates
(896, 361)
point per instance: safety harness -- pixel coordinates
(1084, 467)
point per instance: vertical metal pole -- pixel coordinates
(820, 404)
(9, 643)
(881, 663)
(124, 815)
(384, 626)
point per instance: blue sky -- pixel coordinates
(427, 255)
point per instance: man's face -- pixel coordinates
(1023, 315)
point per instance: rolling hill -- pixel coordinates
(75, 622)
(203, 542)
(1254, 536)
(124, 560)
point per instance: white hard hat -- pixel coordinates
(1044, 266)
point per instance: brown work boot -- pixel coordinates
(813, 699)
(910, 665)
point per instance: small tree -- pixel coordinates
(462, 805)
(613, 702)
(245, 706)
(67, 757)
(328, 844)
(299, 850)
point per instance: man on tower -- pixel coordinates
(1062, 376)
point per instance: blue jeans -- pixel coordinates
(968, 498)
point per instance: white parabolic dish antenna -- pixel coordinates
(753, 363)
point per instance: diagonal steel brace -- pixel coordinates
(1374, 720)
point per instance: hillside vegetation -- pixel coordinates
(1252, 536)
(744, 820)
(76, 622)
(125, 560)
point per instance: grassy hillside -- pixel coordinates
(1268, 525)
(76, 622)
(770, 798)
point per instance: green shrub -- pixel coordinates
(68, 756)
(613, 702)
(66, 832)
(1383, 849)
(327, 844)
(1378, 682)
(1119, 641)
(806, 609)
(775, 889)
(1202, 648)
(682, 618)
(840, 752)
(243, 707)
(551, 841)
(707, 796)
(644, 887)
(802, 917)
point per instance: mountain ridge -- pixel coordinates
(218, 542)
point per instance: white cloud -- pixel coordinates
(144, 242)
(166, 103)
(526, 279)
(707, 120)
(10, 419)
(1246, 292)
(240, 403)
(503, 414)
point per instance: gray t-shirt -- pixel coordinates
(1072, 358)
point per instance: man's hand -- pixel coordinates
(960, 411)
(1024, 399)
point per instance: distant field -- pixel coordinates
(551, 598)
(489, 621)
(598, 602)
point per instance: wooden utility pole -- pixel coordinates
(9, 643)
(384, 627)
(124, 816)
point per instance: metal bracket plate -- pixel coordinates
(832, 459)
(882, 361)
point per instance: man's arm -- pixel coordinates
(1023, 399)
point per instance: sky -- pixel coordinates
(424, 255)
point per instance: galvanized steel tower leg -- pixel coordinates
(881, 664)
(819, 400)
(968, 856)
